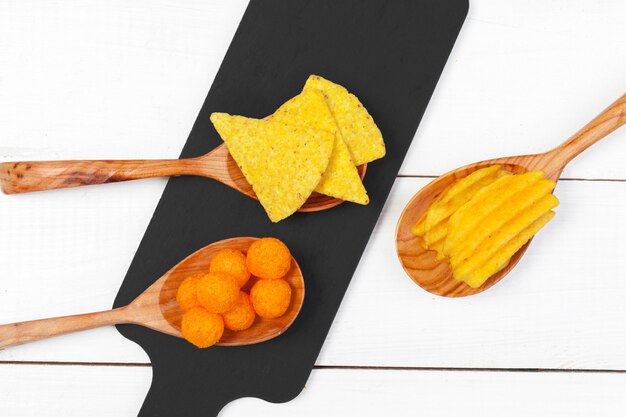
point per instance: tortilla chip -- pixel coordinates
(357, 127)
(283, 163)
(341, 178)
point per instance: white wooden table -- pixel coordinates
(125, 79)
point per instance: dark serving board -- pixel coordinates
(390, 53)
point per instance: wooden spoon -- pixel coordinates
(436, 276)
(26, 177)
(157, 309)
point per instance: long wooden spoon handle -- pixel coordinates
(606, 122)
(24, 177)
(28, 331)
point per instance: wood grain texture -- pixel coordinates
(516, 84)
(219, 165)
(549, 313)
(72, 391)
(385, 393)
(436, 276)
(157, 309)
(515, 80)
(29, 331)
(112, 391)
(505, 84)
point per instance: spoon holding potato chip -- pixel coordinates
(434, 272)
(157, 308)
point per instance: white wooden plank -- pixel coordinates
(522, 78)
(562, 307)
(70, 391)
(446, 394)
(125, 80)
(107, 79)
(68, 253)
(98, 391)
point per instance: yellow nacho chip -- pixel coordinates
(357, 127)
(341, 178)
(283, 163)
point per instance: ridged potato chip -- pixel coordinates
(483, 219)
(419, 228)
(460, 193)
(466, 219)
(357, 127)
(508, 210)
(501, 258)
(341, 178)
(465, 261)
(283, 163)
(433, 226)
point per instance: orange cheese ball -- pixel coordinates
(270, 297)
(241, 316)
(187, 295)
(233, 262)
(218, 292)
(202, 328)
(268, 258)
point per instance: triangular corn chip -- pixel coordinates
(357, 127)
(283, 163)
(341, 178)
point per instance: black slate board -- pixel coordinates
(390, 53)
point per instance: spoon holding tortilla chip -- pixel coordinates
(25, 177)
(157, 309)
(435, 276)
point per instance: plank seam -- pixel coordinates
(344, 367)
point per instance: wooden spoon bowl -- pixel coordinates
(29, 176)
(262, 329)
(157, 309)
(436, 276)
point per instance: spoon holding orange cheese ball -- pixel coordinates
(29, 176)
(157, 308)
(435, 275)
